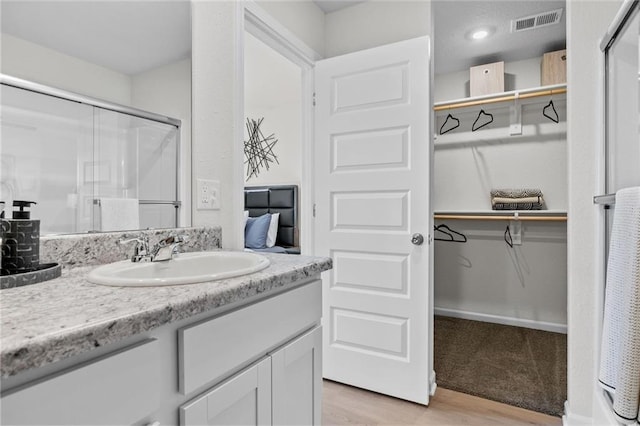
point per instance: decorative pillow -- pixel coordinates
(255, 232)
(272, 234)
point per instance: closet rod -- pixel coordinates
(501, 217)
(505, 98)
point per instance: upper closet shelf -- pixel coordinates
(555, 89)
(524, 215)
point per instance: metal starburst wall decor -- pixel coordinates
(258, 150)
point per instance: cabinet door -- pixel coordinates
(119, 388)
(244, 399)
(297, 381)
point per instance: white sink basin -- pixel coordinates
(185, 268)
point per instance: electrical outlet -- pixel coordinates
(208, 194)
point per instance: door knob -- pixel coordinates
(417, 239)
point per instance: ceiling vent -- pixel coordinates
(536, 21)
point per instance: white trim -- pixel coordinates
(571, 419)
(268, 30)
(499, 319)
(265, 28)
(237, 177)
(432, 383)
(307, 193)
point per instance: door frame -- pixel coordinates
(265, 28)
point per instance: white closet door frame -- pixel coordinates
(265, 28)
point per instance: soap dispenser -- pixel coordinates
(20, 240)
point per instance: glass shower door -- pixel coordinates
(45, 142)
(137, 158)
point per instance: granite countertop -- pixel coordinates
(57, 319)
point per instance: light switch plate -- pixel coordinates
(208, 194)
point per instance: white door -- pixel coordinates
(245, 399)
(372, 193)
(296, 375)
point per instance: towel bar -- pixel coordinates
(605, 200)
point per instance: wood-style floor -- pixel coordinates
(346, 405)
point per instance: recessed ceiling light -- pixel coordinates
(479, 34)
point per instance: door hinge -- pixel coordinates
(314, 98)
(314, 210)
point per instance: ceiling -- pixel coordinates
(454, 51)
(125, 36)
(135, 36)
(329, 6)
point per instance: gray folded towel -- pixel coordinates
(517, 206)
(516, 193)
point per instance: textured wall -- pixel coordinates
(375, 23)
(217, 109)
(587, 23)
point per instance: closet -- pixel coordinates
(514, 277)
(500, 280)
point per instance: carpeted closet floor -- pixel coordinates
(518, 366)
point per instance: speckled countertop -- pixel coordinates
(54, 320)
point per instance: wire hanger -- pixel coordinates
(553, 115)
(450, 233)
(507, 237)
(482, 113)
(455, 125)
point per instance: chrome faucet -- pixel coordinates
(141, 252)
(164, 250)
(167, 247)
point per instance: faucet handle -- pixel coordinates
(141, 250)
(173, 240)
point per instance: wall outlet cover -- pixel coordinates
(208, 194)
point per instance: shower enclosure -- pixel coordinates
(67, 152)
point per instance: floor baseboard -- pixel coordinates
(497, 319)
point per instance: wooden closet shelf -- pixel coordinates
(543, 216)
(501, 97)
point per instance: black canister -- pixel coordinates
(20, 241)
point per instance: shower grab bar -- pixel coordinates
(605, 200)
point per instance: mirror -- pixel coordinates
(70, 155)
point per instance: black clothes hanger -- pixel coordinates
(455, 125)
(507, 237)
(489, 120)
(450, 233)
(553, 115)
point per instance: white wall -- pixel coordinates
(29, 61)
(375, 23)
(302, 17)
(217, 111)
(586, 24)
(273, 91)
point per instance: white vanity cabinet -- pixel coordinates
(116, 389)
(244, 399)
(281, 389)
(282, 386)
(257, 361)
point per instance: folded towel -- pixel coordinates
(496, 200)
(620, 352)
(119, 214)
(517, 206)
(516, 193)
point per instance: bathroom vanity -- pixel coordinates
(244, 350)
